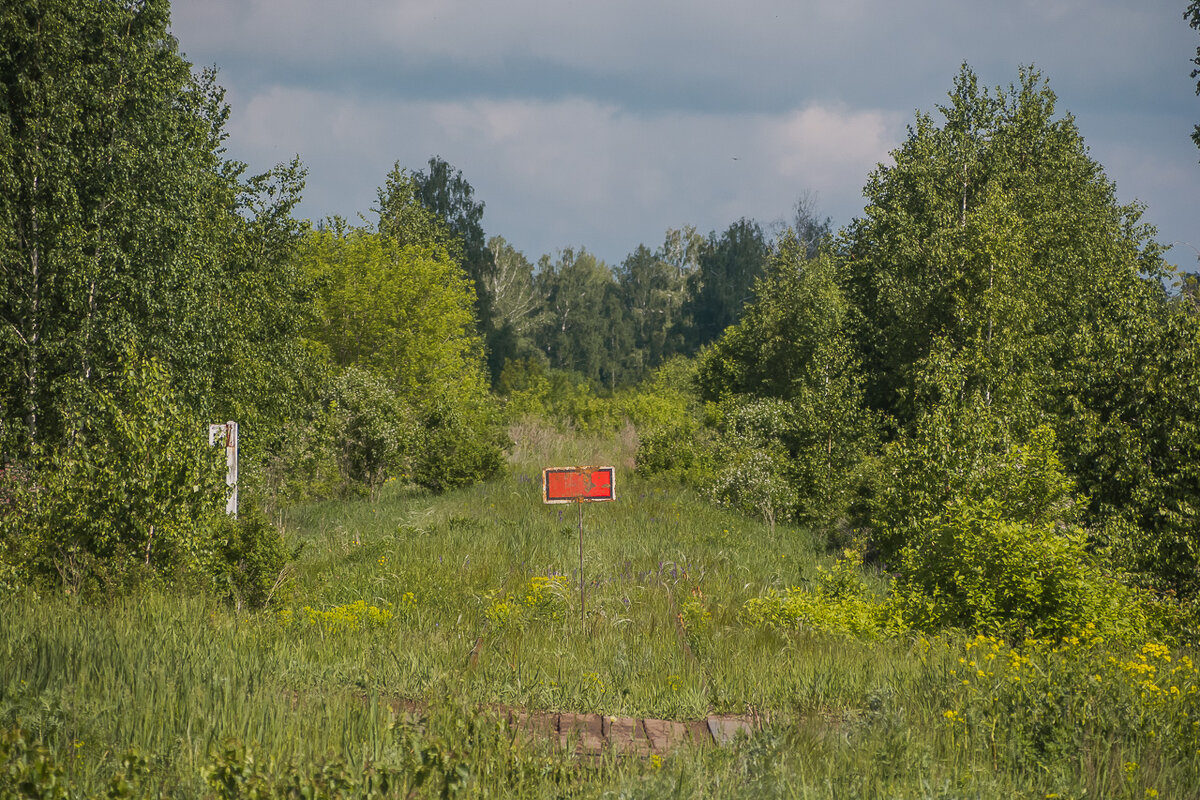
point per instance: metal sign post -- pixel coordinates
(578, 485)
(582, 616)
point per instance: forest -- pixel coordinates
(958, 436)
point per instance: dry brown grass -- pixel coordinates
(538, 444)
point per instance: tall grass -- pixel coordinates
(465, 602)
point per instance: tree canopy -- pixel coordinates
(122, 228)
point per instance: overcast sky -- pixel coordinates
(601, 123)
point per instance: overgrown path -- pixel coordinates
(475, 595)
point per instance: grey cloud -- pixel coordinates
(630, 112)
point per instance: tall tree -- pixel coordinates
(582, 326)
(652, 293)
(723, 282)
(995, 237)
(514, 305)
(996, 274)
(793, 345)
(119, 215)
(444, 191)
(396, 320)
(401, 311)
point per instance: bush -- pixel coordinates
(754, 481)
(459, 442)
(136, 493)
(305, 464)
(252, 558)
(967, 452)
(375, 433)
(136, 490)
(361, 434)
(682, 449)
(840, 604)
(972, 568)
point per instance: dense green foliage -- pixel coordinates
(996, 273)
(399, 309)
(984, 393)
(409, 399)
(789, 383)
(1000, 324)
(121, 226)
(129, 246)
(974, 567)
(147, 287)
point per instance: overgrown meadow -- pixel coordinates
(918, 499)
(412, 623)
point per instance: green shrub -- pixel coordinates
(973, 568)
(799, 608)
(363, 433)
(305, 464)
(844, 578)
(375, 432)
(28, 768)
(682, 449)
(967, 452)
(840, 604)
(252, 559)
(135, 492)
(754, 480)
(459, 442)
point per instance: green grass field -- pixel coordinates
(468, 602)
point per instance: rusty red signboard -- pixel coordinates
(578, 484)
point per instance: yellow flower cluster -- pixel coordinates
(1158, 679)
(547, 595)
(503, 612)
(543, 596)
(350, 617)
(593, 683)
(1148, 692)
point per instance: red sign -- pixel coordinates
(578, 484)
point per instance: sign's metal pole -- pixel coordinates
(582, 620)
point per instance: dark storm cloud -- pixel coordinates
(603, 123)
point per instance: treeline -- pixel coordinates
(990, 380)
(613, 326)
(151, 286)
(609, 325)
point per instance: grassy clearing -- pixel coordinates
(470, 600)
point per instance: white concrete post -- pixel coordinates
(228, 433)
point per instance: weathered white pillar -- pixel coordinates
(228, 433)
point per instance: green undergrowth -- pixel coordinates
(407, 626)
